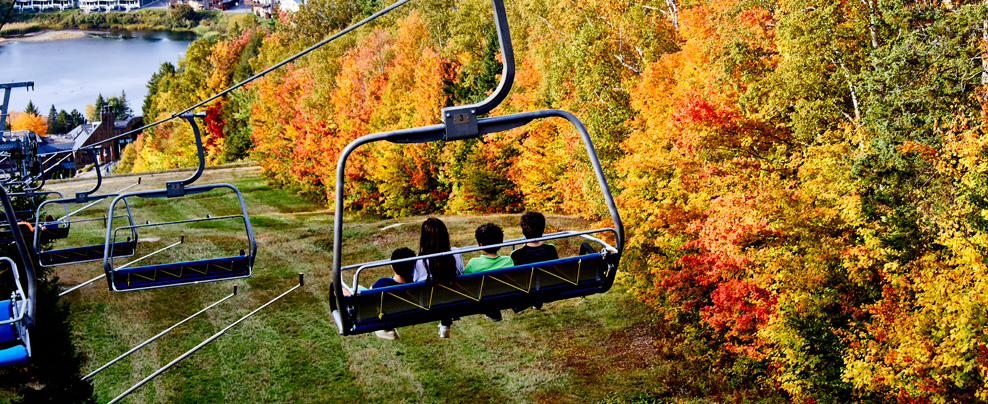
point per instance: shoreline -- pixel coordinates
(48, 35)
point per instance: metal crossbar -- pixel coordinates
(553, 236)
(101, 199)
(159, 335)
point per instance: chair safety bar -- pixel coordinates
(12, 328)
(183, 272)
(16, 311)
(553, 236)
(28, 215)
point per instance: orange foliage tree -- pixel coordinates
(27, 121)
(802, 184)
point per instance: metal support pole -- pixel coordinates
(6, 99)
(159, 335)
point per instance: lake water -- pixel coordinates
(70, 73)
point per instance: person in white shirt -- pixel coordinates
(443, 269)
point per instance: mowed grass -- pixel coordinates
(601, 348)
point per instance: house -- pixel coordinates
(290, 6)
(41, 5)
(260, 8)
(92, 133)
(111, 5)
(200, 5)
(55, 150)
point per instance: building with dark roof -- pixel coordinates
(92, 133)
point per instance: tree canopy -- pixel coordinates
(802, 184)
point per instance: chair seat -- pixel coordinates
(181, 273)
(55, 231)
(12, 355)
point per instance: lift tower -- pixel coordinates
(6, 98)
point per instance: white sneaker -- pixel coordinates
(443, 331)
(387, 334)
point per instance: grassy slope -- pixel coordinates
(595, 349)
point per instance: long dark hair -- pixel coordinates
(435, 239)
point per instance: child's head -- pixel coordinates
(532, 224)
(404, 269)
(489, 234)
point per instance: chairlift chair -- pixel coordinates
(17, 315)
(24, 215)
(12, 326)
(80, 252)
(124, 277)
(369, 310)
(56, 229)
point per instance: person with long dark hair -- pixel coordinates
(442, 269)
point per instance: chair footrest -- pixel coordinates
(181, 273)
(84, 253)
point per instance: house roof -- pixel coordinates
(80, 134)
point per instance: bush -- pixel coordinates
(19, 30)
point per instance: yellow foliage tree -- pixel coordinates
(26, 121)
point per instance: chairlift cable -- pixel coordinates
(52, 167)
(301, 283)
(98, 200)
(159, 335)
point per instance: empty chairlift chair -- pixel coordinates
(187, 265)
(83, 211)
(363, 311)
(17, 314)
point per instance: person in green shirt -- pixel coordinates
(489, 234)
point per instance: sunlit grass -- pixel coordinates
(595, 349)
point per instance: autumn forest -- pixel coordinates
(803, 183)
